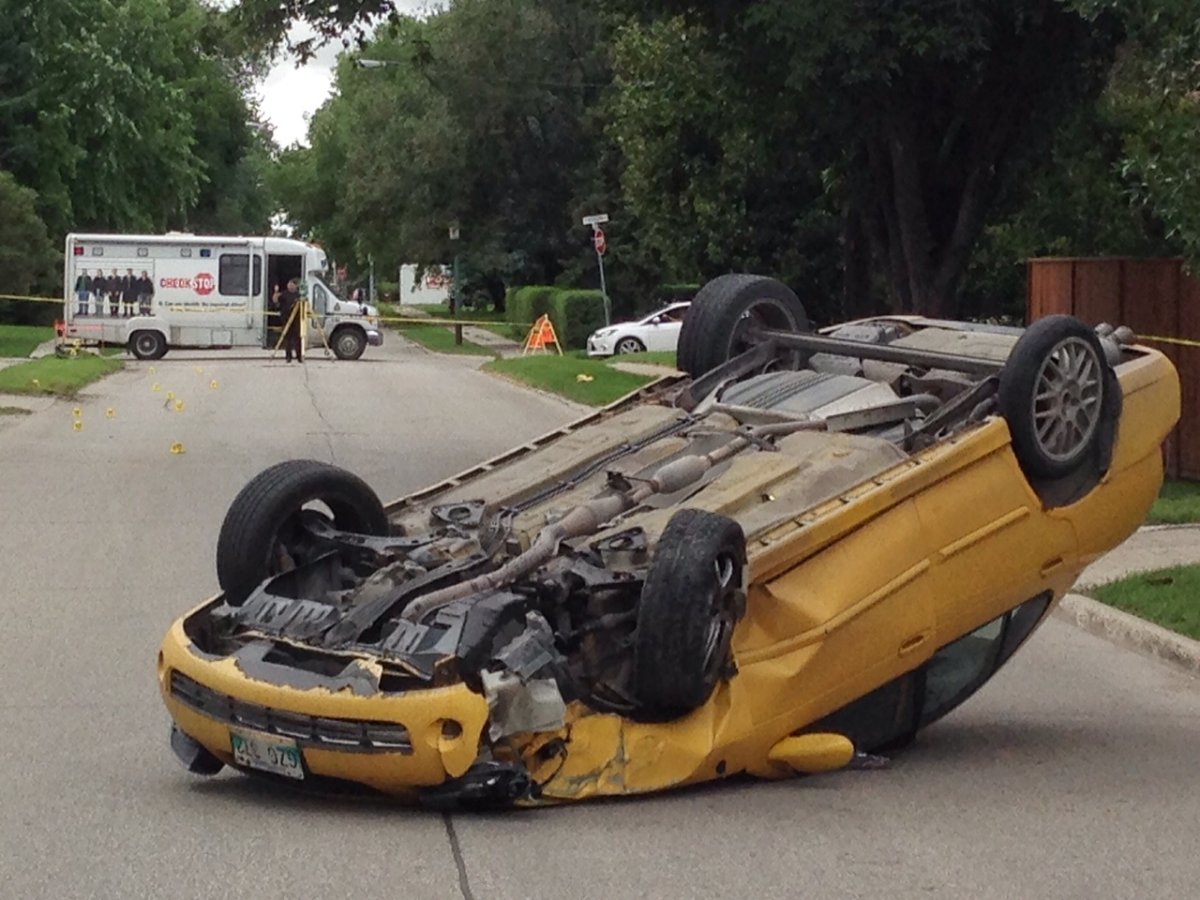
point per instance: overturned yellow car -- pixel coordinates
(789, 558)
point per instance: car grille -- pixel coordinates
(312, 731)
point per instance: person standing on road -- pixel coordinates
(290, 311)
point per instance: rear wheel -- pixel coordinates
(1053, 394)
(717, 325)
(148, 345)
(263, 533)
(691, 599)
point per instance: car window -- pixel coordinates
(886, 715)
(891, 714)
(959, 669)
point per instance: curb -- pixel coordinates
(1184, 526)
(1131, 632)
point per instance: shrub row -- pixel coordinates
(575, 313)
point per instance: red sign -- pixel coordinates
(599, 241)
(203, 284)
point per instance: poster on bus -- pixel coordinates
(120, 289)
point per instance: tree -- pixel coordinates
(482, 119)
(27, 257)
(122, 115)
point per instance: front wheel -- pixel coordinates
(692, 597)
(263, 533)
(1053, 393)
(148, 345)
(349, 343)
(630, 345)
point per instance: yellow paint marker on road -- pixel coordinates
(78, 425)
(214, 384)
(177, 448)
(170, 395)
(178, 406)
(77, 412)
(111, 413)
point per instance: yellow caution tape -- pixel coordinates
(1182, 342)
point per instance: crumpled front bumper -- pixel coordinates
(444, 725)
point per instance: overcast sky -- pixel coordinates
(289, 95)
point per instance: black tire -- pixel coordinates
(691, 599)
(713, 329)
(631, 345)
(148, 345)
(1055, 415)
(267, 508)
(348, 343)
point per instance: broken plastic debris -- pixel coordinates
(178, 406)
(199, 371)
(520, 706)
(213, 384)
(78, 425)
(156, 387)
(77, 412)
(581, 377)
(111, 413)
(170, 395)
(177, 448)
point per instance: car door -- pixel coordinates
(663, 332)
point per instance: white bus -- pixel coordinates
(153, 292)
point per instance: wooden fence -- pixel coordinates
(1154, 297)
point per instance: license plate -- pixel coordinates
(267, 753)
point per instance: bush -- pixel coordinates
(525, 304)
(576, 314)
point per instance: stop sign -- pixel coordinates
(599, 241)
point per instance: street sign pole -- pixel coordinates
(598, 242)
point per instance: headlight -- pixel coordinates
(603, 333)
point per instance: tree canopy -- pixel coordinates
(131, 115)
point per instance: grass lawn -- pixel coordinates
(652, 358)
(440, 339)
(1168, 597)
(60, 377)
(560, 374)
(496, 322)
(21, 340)
(1179, 503)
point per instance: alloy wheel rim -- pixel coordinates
(1067, 397)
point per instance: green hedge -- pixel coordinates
(575, 313)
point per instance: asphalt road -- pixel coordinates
(1073, 774)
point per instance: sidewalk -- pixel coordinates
(499, 345)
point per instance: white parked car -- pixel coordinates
(657, 331)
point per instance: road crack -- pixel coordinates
(464, 883)
(328, 432)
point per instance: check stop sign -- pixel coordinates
(204, 284)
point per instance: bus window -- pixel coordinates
(233, 279)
